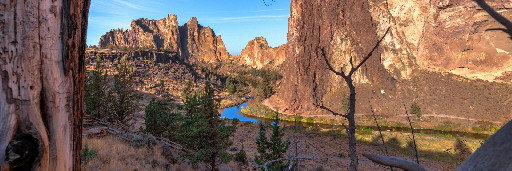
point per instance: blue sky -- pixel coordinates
(237, 21)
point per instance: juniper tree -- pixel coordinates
(125, 96)
(203, 130)
(96, 90)
(161, 120)
(230, 85)
(272, 149)
(415, 109)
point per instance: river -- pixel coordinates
(234, 112)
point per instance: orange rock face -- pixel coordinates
(434, 36)
(191, 41)
(257, 53)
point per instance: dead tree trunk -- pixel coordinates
(351, 130)
(42, 50)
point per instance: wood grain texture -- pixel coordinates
(42, 50)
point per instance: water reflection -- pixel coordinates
(234, 112)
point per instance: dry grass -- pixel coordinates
(115, 154)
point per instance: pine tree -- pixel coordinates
(204, 131)
(230, 85)
(96, 90)
(126, 97)
(160, 120)
(261, 142)
(273, 149)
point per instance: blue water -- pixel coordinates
(234, 112)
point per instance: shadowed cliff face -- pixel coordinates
(191, 41)
(437, 36)
(345, 30)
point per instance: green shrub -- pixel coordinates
(310, 120)
(139, 141)
(341, 155)
(87, 153)
(298, 118)
(485, 126)
(476, 129)
(415, 109)
(160, 121)
(494, 128)
(445, 126)
(364, 131)
(241, 157)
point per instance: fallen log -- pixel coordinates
(395, 162)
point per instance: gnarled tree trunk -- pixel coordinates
(42, 48)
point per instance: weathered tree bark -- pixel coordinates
(42, 48)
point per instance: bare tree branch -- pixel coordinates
(369, 54)
(333, 112)
(502, 20)
(283, 159)
(351, 62)
(352, 109)
(395, 162)
(380, 132)
(412, 132)
(346, 128)
(341, 73)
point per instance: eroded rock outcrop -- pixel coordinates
(191, 41)
(432, 36)
(258, 53)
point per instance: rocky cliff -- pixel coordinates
(190, 41)
(441, 36)
(258, 53)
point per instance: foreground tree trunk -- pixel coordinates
(42, 48)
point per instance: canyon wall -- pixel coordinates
(442, 36)
(190, 41)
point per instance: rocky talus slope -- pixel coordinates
(434, 41)
(150, 67)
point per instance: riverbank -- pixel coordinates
(427, 124)
(444, 146)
